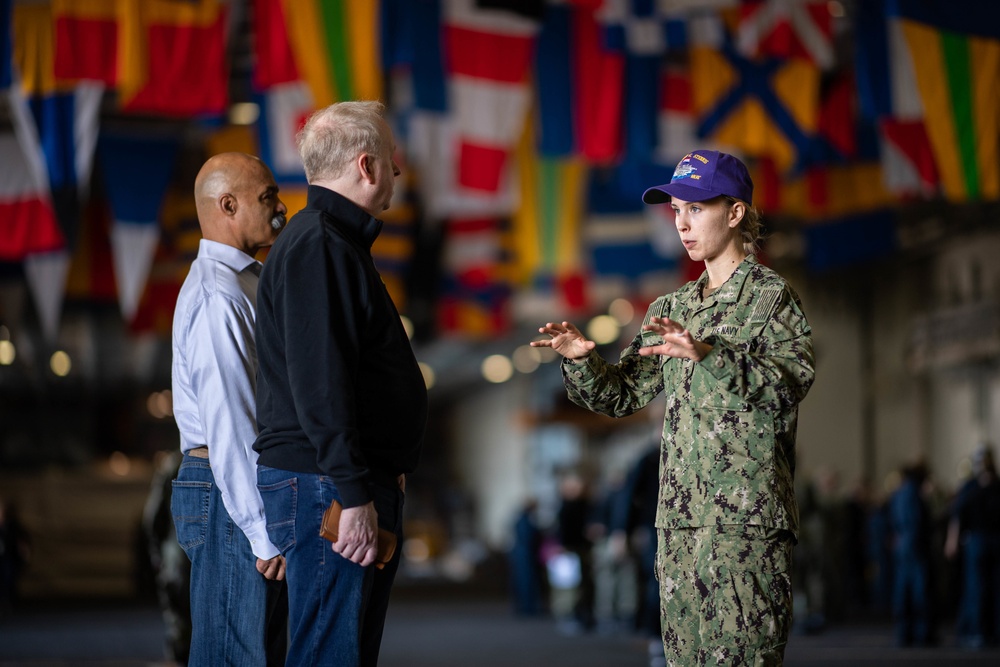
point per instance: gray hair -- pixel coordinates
(334, 137)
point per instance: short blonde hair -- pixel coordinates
(335, 136)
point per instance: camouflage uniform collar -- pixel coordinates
(729, 291)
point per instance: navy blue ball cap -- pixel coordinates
(704, 175)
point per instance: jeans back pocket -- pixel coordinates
(189, 502)
(280, 500)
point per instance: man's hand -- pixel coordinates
(358, 534)
(565, 339)
(272, 568)
(677, 341)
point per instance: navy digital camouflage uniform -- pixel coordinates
(726, 514)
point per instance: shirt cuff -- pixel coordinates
(260, 544)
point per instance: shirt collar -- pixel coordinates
(232, 257)
(729, 291)
(351, 218)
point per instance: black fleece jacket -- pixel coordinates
(339, 392)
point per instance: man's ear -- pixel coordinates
(228, 204)
(365, 167)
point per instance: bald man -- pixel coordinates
(238, 598)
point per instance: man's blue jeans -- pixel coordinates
(235, 611)
(336, 608)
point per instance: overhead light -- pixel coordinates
(244, 113)
(497, 368)
(622, 310)
(160, 404)
(526, 358)
(7, 353)
(546, 354)
(428, 373)
(603, 329)
(119, 464)
(60, 363)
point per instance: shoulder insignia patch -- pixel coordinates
(765, 304)
(655, 310)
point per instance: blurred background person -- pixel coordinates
(525, 564)
(15, 551)
(614, 568)
(910, 526)
(974, 531)
(570, 569)
(643, 487)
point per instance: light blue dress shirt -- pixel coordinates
(214, 377)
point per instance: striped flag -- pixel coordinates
(642, 27)
(545, 229)
(284, 109)
(888, 97)
(56, 121)
(308, 55)
(331, 45)
(622, 245)
(488, 58)
(956, 62)
(27, 218)
(599, 79)
(474, 299)
(394, 248)
(632, 248)
(641, 32)
(676, 124)
(431, 147)
(56, 126)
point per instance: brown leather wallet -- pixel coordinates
(385, 544)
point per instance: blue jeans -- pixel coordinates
(910, 599)
(979, 611)
(238, 617)
(336, 608)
